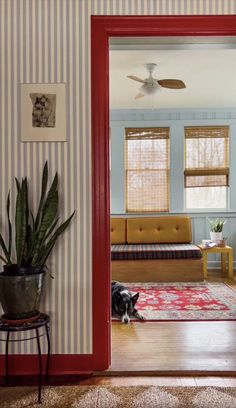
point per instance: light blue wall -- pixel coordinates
(176, 120)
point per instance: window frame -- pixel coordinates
(207, 209)
(168, 171)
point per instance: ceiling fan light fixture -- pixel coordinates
(149, 89)
(150, 85)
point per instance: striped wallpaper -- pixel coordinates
(49, 41)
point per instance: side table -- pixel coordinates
(226, 252)
(8, 328)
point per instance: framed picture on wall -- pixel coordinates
(43, 113)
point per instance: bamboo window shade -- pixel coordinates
(206, 156)
(147, 169)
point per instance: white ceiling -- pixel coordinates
(209, 74)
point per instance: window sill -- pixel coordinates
(193, 212)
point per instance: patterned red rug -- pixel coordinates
(185, 301)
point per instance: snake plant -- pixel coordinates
(216, 224)
(35, 237)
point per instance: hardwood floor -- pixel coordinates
(175, 348)
(161, 381)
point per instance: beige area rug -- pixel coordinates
(119, 397)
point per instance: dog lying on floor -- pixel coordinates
(123, 303)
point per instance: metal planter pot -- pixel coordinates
(20, 291)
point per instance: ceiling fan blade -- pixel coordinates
(136, 78)
(172, 83)
(140, 95)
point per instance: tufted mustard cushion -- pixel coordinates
(167, 229)
(118, 230)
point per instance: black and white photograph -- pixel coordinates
(44, 109)
(43, 115)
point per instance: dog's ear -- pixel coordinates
(135, 298)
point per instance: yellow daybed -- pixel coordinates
(154, 249)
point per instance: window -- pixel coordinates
(206, 166)
(147, 169)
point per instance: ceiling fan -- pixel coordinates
(151, 85)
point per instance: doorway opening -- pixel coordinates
(102, 29)
(147, 145)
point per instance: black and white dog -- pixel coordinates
(123, 303)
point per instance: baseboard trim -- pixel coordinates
(53, 380)
(60, 364)
(166, 373)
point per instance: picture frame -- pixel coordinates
(43, 112)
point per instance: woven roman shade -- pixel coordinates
(147, 169)
(206, 156)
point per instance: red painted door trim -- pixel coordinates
(103, 27)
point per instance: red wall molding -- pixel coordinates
(102, 28)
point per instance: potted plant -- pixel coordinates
(22, 279)
(216, 232)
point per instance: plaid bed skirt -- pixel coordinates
(154, 251)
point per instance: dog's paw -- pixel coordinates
(139, 316)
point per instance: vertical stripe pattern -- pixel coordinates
(49, 41)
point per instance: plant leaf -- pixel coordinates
(216, 224)
(49, 213)
(33, 233)
(46, 250)
(17, 185)
(43, 192)
(4, 248)
(3, 259)
(51, 229)
(29, 243)
(26, 201)
(20, 221)
(9, 226)
(51, 194)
